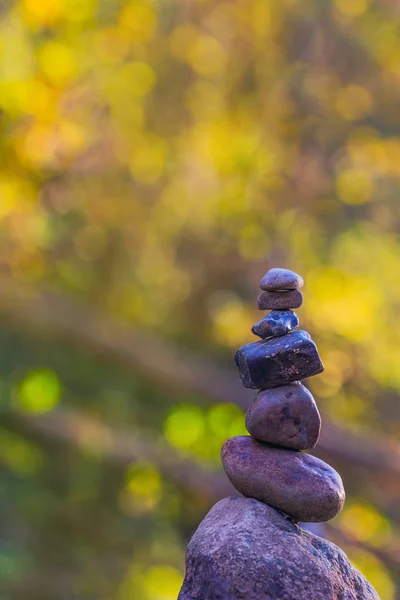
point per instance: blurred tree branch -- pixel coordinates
(74, 428)
(389, 554)
(122, 447)
(164, 365)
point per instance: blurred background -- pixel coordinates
(157, 157)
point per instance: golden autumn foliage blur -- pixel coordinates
(157, 157)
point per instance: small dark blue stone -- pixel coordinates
(278, 361)
(276, 323)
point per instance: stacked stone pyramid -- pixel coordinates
(251, 548)
(270, 465)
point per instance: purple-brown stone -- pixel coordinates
(281, 279)
(278, 361)
(280, 300)
(286, 416)
(246, 550)
(299, 484)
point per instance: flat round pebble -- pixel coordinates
(301, 485)
(285, 416)
(281, 279)
(276, 323)
(280, 300)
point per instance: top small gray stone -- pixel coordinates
(281, 279)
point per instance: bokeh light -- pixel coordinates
(156, 159)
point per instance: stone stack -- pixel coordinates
(248, 547)
(283, 420)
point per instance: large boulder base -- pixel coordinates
(246, 550)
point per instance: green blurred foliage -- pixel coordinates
(156, 159)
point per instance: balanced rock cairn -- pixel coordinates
(283, 419)
(251, 547)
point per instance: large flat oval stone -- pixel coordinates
(297, 483)
(277, 361)
(285, 416)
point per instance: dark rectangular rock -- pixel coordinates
(278, 361)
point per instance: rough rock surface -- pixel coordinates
(278, 361)
(280, 300)
(281, 279)
(246, 550)
(285, 416)
(301, 485)
(276, 323)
